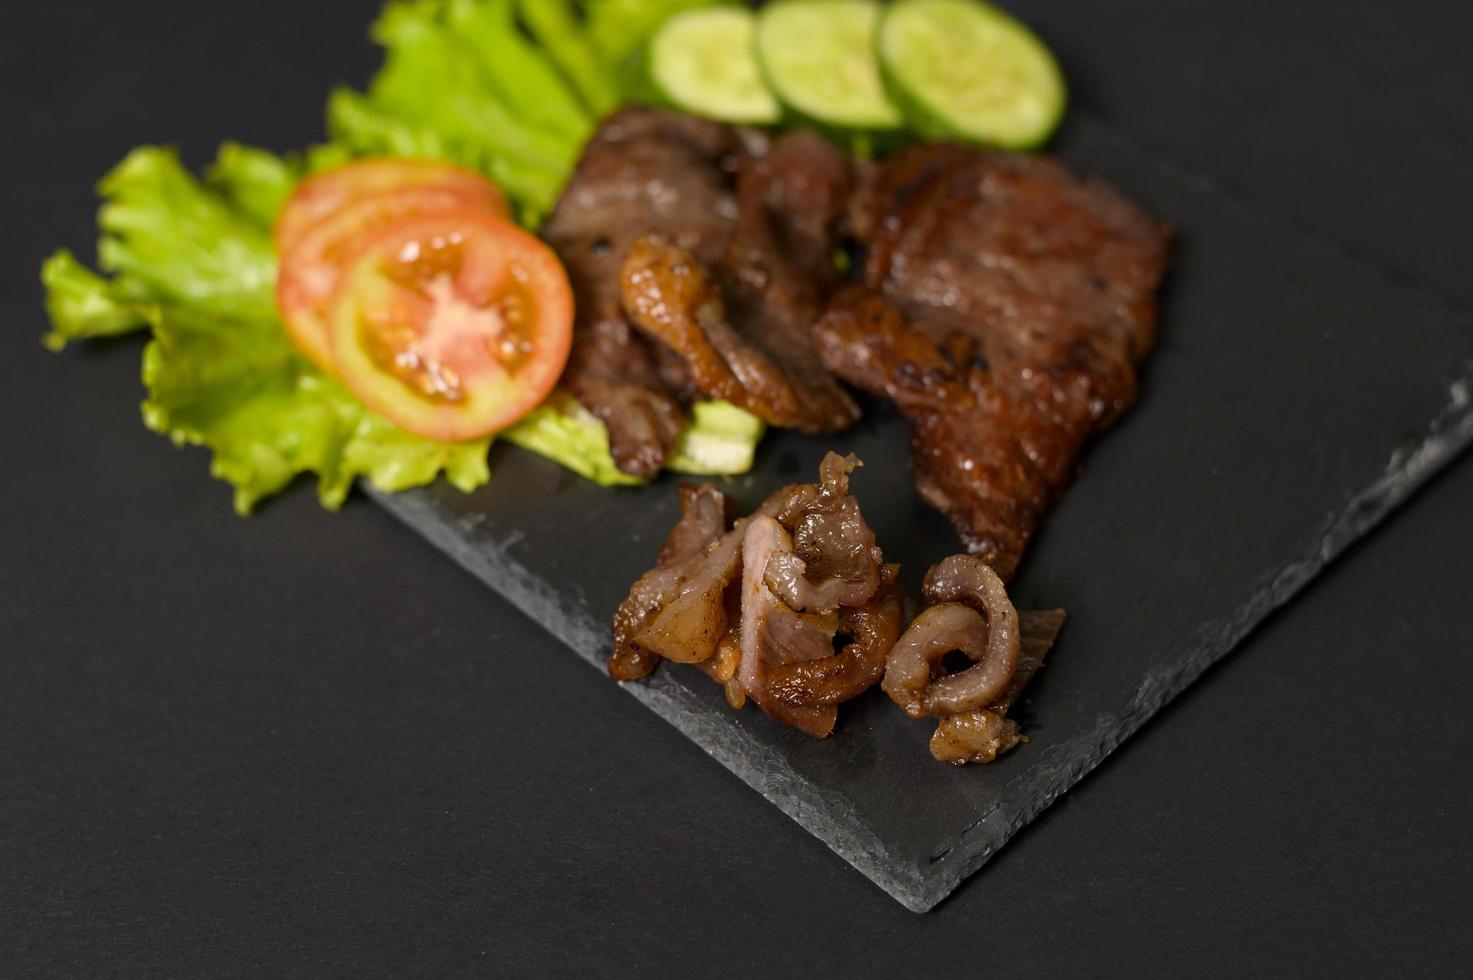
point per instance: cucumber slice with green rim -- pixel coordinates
(819, 58)
(704, 62)
(965, 70)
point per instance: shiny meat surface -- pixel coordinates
(779, 268)
(914, 677)
(1008, 306)
(710, 600)
(982, 734)
(758, 218)
(692, 621)
(969, 611)
(872, 629)
(676, 595)
(744, 325)
(723, 665)
(645, 170)
(674, 299)
(834, 561)
(773, 634)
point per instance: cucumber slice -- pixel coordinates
(963, 69)
(819, 57)
(703, 61)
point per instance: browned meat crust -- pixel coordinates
(673, 298)
(1017, 303)
(676, 595)
(644, 171)
(744, 326)
(969, 611)
(835, 561)
(779, 269)
(761, 220)
(872, 628)
(774, 634)
(983, 734)
(709, 601)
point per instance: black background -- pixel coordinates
(302, 744)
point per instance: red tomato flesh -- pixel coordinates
(453, 325)
(310, 271)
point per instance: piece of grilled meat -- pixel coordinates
(756, 222)
(1005, 309)
(968, 610)
(644, 171)
(758, 603)
(743, 325)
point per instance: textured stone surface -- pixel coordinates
(1296, 397)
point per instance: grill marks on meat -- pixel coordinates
(744, 326)
(644, 171)
(710, 600)
(969, 611)
(760, 220)
(1009, 305)
(1006, 305)
(779, 269)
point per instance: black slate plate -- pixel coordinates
(1295, 398)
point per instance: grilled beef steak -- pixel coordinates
(1008, 305)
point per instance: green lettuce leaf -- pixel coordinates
(564, 430)
(193, 264)
(255, 181)
(444, 92)
(81, 304)
(556, 27)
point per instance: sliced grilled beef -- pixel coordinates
(669, 608)
(1009, 306)
(834, 561)
(774, 634)
(719, 598)
(872, 629)
(983, 734)
(760, 220)
(645, 170)
(779, 268)
(968, 611)
(744, 325)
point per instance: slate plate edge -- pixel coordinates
(1409, 468)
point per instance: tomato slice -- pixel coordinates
(309, 272)
(321, 195)
(452, 326)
